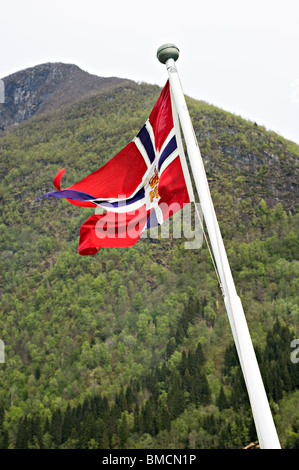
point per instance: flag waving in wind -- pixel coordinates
(143, 185)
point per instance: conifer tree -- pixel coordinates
(56, 427)
(22, 434)
(199, 355)
(222, 402)
(67, 424)
(123, 430)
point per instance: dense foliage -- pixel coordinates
(132, 347)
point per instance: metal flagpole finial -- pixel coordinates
(167, 51)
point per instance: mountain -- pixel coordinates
(132, 348)
(47, 86)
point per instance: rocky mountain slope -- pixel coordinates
(45, 87)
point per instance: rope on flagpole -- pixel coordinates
(210, 251)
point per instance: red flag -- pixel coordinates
(137, 186)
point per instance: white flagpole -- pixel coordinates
(267, 435)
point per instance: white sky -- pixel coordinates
(239, 55)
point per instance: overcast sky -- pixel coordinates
(239, 55)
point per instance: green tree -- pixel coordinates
(222, 401)
(56, 427)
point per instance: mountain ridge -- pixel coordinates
(47, 86)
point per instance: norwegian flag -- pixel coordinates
(143, 185)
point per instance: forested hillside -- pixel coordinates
(132, 348)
